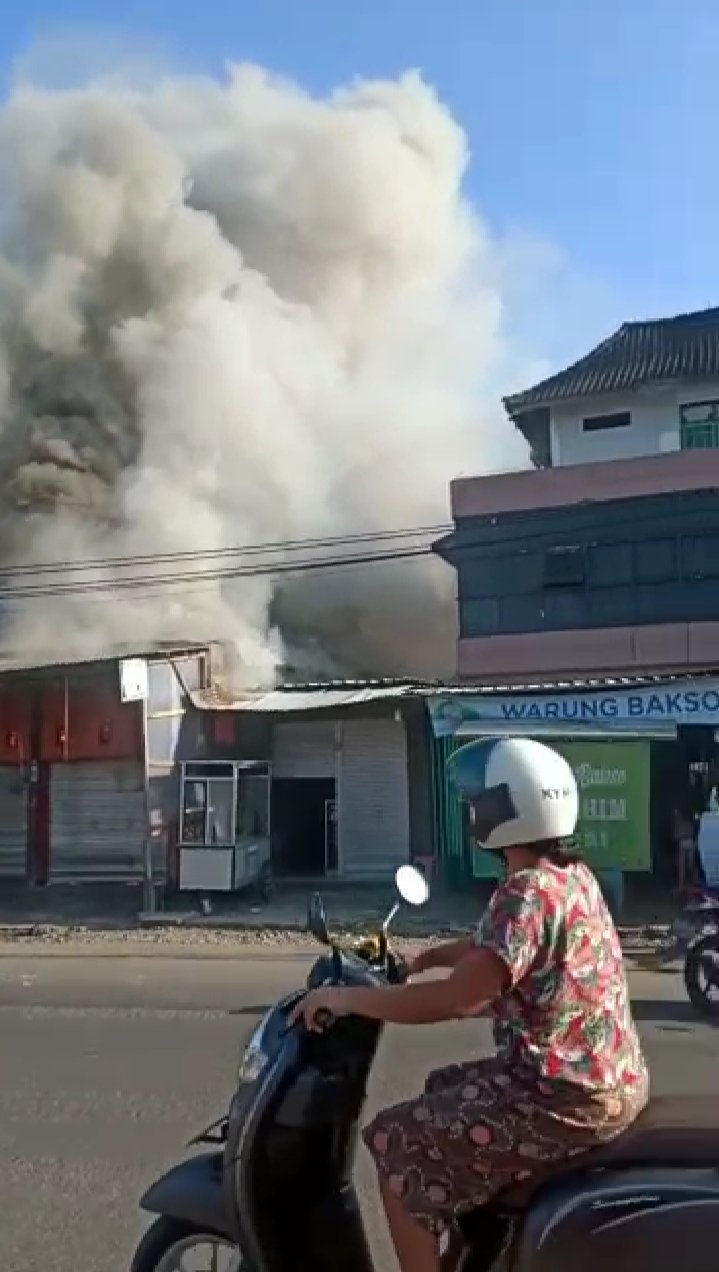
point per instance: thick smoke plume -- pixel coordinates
(233, 314)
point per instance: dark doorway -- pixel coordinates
(664, 784)
(299, 825)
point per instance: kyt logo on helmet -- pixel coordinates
(555, 793)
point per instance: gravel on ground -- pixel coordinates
(637, 941)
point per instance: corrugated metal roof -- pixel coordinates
(595, 684)
(317, 698)
(686, 347)
(16, 660)
(336, 694)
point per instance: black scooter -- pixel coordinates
(273, 1191)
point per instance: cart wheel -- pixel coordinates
(265, 886)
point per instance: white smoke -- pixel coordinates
(234, 314)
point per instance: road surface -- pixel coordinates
(108, 1064)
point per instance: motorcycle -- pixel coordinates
(696, 937)
(273, 1191)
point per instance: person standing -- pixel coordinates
(685, 843)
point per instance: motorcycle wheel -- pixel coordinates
(170, 1246)
(699, 983)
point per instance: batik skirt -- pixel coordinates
(478, 1130)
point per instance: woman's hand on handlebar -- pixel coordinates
(320, 1008)
(421, 962)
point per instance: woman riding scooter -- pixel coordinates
(546, 963)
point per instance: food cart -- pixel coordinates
(225, 826)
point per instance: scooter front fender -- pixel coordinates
(193, 1192)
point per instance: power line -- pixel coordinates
(176, 583)
(210, 554)
(115, 585)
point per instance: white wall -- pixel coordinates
(654, 428)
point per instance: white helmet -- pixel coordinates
(518, 791)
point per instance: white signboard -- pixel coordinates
(133, 680)
(640, 708)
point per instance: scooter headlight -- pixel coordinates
(255, 1057)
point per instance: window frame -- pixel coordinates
(570, 551)
(203, 772)
(607, 422)
(689, 428)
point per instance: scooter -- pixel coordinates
(695, 935)
(273, 1191)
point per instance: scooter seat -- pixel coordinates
(673, 1130)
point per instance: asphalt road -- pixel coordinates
(108, 1064)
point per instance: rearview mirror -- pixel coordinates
(411, 885)
(317, 920)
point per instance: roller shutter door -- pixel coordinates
(97, 820)
(13, 822)
(373, 799)
(304, 750)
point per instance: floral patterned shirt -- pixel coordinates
(566, 1017)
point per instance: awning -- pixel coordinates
(544, 730)
(281, 701)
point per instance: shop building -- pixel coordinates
(75, 784)
(635, 744)
(596, 571)
(335, 777)
(141, 763)
(603, 559)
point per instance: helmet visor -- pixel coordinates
(488, 806)
(492, 808)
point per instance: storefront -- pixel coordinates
(633, 747)
(76, 781)
(340, 797)
(339, 774)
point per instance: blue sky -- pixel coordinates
(592, 123)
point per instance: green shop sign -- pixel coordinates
(613, 827)
(613, 781)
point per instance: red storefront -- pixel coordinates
(72, 783)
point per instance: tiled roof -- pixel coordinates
(686, 347)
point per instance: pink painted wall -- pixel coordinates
(527, 657)
(580, 483)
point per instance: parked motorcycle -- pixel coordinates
(273, 1191)
(696, 937)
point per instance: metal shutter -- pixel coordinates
(373, 799)
(97, 820)
(13, 822)
(304, 750)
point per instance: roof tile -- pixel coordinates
(686, 347)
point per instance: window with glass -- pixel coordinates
(253, 806)
(700, 425)
(224, 802)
